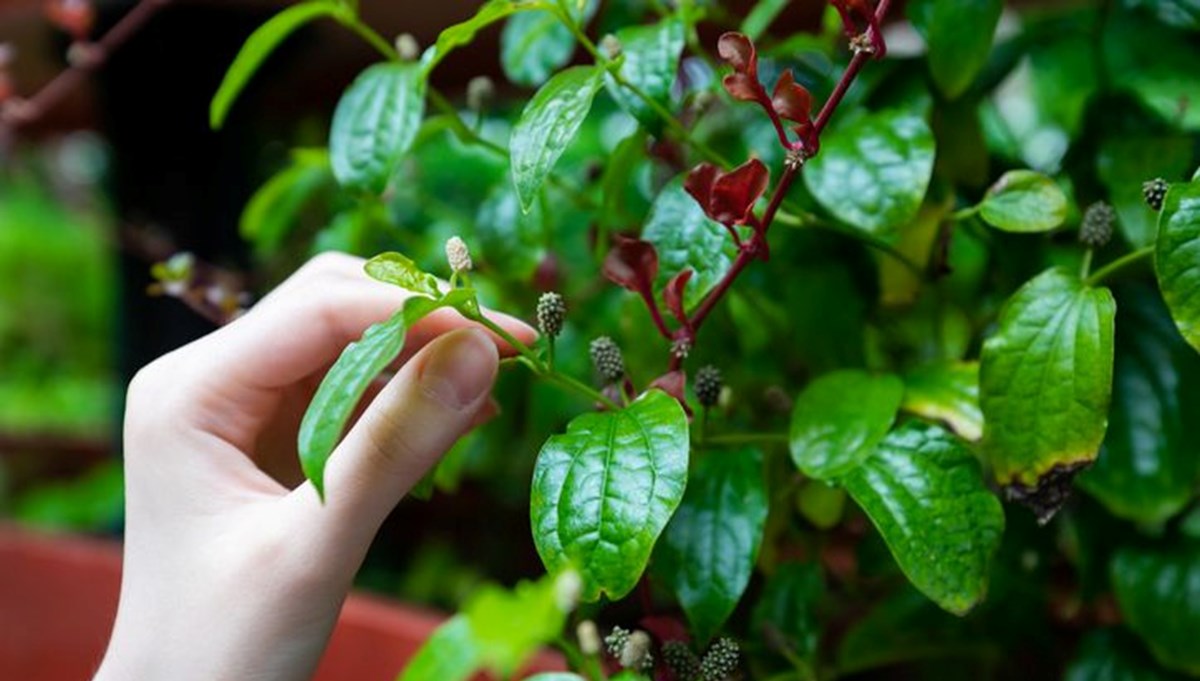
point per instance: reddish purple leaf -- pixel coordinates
(740, 52)
(674, 384)
(673, 295)
(791, 100)
(699, 183)
(632, 264)
(743, 88)
(734, 193)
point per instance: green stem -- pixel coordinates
(1119, 264)
(959, 216)
(368, 34)
(1086, 266)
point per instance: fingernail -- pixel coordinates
(462, 369)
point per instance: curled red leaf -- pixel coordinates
(673, 295)
(791, 100)
(740, 52)
(674, 383)
(700, 181)
(632, 264)
(728, 197)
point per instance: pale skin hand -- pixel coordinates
(233, 567)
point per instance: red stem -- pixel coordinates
(656, 315)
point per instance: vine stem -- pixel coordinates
(1119, 264)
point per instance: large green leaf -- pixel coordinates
(786, 613)
(710, 546)
(1177, 258)
(1046, 378)
(925, 493)
(604, 490)
(1114, 655)
(259, 46)
(651, 60)
(839, 419)
(277, 205)
(872, 173)
(1024, 201)
(1157, 64)
(946, 392)
(1150, 463)
(1124, 163)
(959, 35)
(686, 238)
(533, 45)
(547, 125)
(375, 123)
(464, 32)
(1158, 592)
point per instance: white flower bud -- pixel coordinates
(589, 638)
(567, 588)
(407, 47)
(458, 255)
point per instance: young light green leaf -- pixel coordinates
(839, 419)
(760, 18)
(1046, 378)
(1124, 163)
(604, 490)
(547, 125)
(959, 35)
(686, 238)
(259, 46)
(277, 205)
(509, 626)
(873, 172)
(1148, 469)
(651, 61)
(533, 45)
(708, 551)
(375, 124)
(1158, 592)
(1177, 258)
(451, 654)
(397, 269)
(1024, 201)
(946, 392)
(925, 494)
(464, 32)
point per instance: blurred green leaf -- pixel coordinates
(464, 32)
(451, 654)
(959, 35)
(839, 419)
(759, 19)
(1157, 64)
(533, 45)
(1177, 258)
(1114, 655)
(946, 392)
(94, 501)
(277, 206)
(1180, 13)
(872, 173)
(1124, 163)
(1046, 378)
(708, 550)
(509, 626)
(651, 60)
(1158, 592)
(926, 495)
(375, 124)
(686, 238)
(604, 490)
(510, 241)
(786, 613)
(1024, 201)
(547, 125)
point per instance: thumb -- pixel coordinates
(431, 402)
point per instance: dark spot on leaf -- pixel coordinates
(1050, 493)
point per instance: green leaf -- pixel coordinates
(451, 654)
(510, 240)
(1158, 592)
(603, 492)
(959, 35)
(760, 18)
(839, 419)
(533, 45)
(786, 612)
(259, 46)
(1157, 65)
(651, 61)
(946, 392)
(277, 205)
(347, 381)
(1046, 378)
(873, 172)
(556, 676)
(1024, 201)
(710, 546)
(926, 495)
(1177, 258)
(375, 124)
(464, 32)
(1179, 13)
(547, 125)
(1148, 469)
(1114, 655)
(686, 238)
(509, 626)
(397, 269)
(1124, 163)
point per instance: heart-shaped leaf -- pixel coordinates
(710, 546)
(375, 124)
(1024, 201)
(1177, 258)
(604, 490)
(839, 419)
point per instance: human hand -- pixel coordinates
(233, 567)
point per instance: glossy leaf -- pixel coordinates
(959, 35)
(276, 208)
(786, 612)
(547, 125)
(686, 238)
(397, 269)
(1024, 201)
(1158, 592)
(925, 494)
(708, 551)
(260, 45)
(464, 32)
(375, 124)
(1115, 655)
(1124, 163)
(946, 392)
(651, 61)
(533, 45)
(1177, 258)
(604, 490)
(1046, 378)
(1149, 467)
(872, 173)
(839, 419)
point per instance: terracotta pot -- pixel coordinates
(58, 597)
